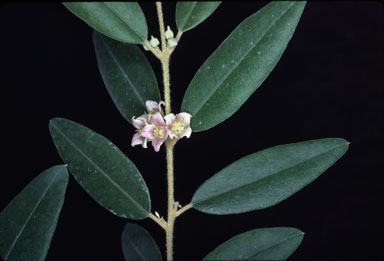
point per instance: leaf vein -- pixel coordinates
(29, 217)
(101, 171)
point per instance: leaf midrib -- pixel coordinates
(188, 15)
(29, 217)
(110, 52)
(101, 170)
(207, 97)
(266, 177)
(134, 246)
(121, 19)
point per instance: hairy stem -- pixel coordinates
(170, 143)
(171, 201)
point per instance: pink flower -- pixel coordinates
(179, 125)
(156, 131)
(139, 123)
(155, 127)
(153, 107)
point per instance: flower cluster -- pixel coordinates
(157, 128)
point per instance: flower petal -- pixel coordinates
(187, 133)
(144, 143)
(160, 109)
(158, 119)
(185, 117)
(151, 105)
(139, 122)
(136, 140)
(169, 118)
(156, 144)
(147, 131)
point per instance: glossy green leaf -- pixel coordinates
(28, 222)
(101, 169)
(189, 14)
(138, 244)
(265, 178)
(276, 243)
(127, 74)
(240, 64)
(123, 21)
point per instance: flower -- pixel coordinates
(178, 125)
(139, 124)
(153, 126)
(157, 131)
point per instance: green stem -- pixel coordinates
(170, 143)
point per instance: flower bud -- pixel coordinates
(172, 42)
(169, 33)
(154, 41)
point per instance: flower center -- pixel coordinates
(158, 132)
(178, 127)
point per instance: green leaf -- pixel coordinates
(138, 244)
(191, 13)
(265, 178)
(28, 222)
(101, 169)
(276, 243)
(127, 74)
(123, 21)
(240, 64)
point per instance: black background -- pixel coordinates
(328, 83)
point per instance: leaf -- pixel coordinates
(28, 222)
(265, 178)
(276, 243)
(191, 13)
(138, 244)
(127, 75)
(240, 64)
(101, 169)
(123, 21)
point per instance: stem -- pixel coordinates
(159, 221)
(164, 60)
(170, 143)
(185, 208)
(171, 201)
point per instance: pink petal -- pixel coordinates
(151, 105)
(147, 131)
(187, 133)
(156, 144)
(169, 118)
(139, 122)
(185, 117)
(158, 119)
(136, 140)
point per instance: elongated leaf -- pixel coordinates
(240, 64)
(123, 21)
(189, 14)
(101, 169)
(276, 243)
(138, 244)
(127, 74)
(28, 222)
(265, 178)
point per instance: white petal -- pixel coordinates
(136, 140)
(169, 118)
(187, 133)
(185, 117)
